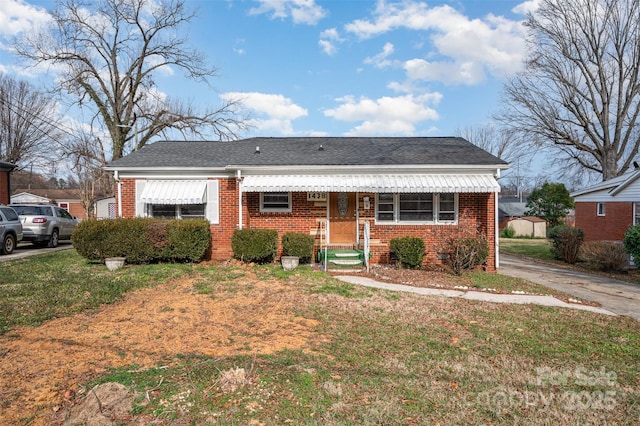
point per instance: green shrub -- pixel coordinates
(298, 244)
(255, 245)
(408, 250)
(508, 232)
(631, 241)
(465, 253)
(188, 239)
(566, 241)
(143, 240)
(604, 255)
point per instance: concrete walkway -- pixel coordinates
(616, 296)
(472, 295)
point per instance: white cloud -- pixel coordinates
(380, 60)
(300, 11)
(445, 72)
(464, 50)
(527, 7)
(274, 112)
(328, 40)
(387, 115)
(17, 17)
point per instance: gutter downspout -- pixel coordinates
(117, 178)
(239, 177)
(497, 224)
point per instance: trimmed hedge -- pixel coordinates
(143, 240)
(408, 250)
(255, 245)
(298, 244)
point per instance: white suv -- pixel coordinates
(10, 229)
(45, 224)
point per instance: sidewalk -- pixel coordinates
(473, 295)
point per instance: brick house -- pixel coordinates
(606, 210)
(5, 181)
(68, 199)
(347, 192)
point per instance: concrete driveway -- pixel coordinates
(28, 249)
(616, 296)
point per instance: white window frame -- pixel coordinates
(436, 213)
(600, 209)
(268, 209)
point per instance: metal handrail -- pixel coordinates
(323, 243)
(367, 236)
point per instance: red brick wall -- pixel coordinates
(476, 212)
(611, 227)
(76, 209)
(4, 188)
(220, 233)
(306, 216)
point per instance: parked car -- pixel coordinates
(45, 224)
(10, 229)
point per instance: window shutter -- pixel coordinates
(140, 210)
(213, 202)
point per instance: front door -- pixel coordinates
(342, 217)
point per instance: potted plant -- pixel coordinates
(114, 263)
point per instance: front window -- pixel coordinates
(601, 211)
(447, 208)
(385, 207)
(275, 202)
(416, 208)
(177, 211)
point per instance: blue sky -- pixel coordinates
(338, 68)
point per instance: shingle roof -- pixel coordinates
(310, 151)
(53, 194)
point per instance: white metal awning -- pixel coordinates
(439, 183)
(174, 192)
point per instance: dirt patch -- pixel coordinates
(41, 368)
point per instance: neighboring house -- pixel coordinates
(511, 212)
(331, 188)
(5, 181)
(509, 209)
(105, 208)
(606, 210)
(68, 199)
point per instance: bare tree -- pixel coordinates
(87, 154)
(108, 53)
(28, 125)
(579, 94)
(501, 142)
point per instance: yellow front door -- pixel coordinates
(342, 218)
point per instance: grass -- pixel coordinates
(416, 361)
(539, 248)
(39, 288)
(377, 357)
